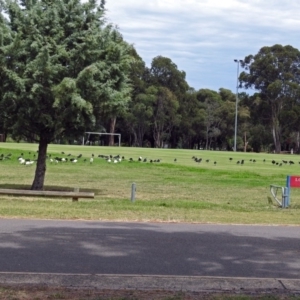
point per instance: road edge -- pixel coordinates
(152, 282)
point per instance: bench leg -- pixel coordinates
(76, 190)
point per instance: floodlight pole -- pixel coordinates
(236, 102)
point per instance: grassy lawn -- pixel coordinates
(217, 191)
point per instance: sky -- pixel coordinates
(203, 37)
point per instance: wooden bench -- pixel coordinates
(75, 195)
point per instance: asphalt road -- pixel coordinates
(89, 247)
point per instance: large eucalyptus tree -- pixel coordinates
(165, 73)
(211, 106)
(61, 66)
(5, 38)
(275, 73)
(137, 119)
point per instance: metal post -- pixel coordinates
(288, 189)
(236, 102)
(133, 190)
(285, 197)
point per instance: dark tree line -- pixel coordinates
(165, 110)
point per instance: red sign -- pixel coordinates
(295, 181)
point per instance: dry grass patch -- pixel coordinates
(59, 293)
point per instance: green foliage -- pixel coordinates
(165, 73)
(157, 92)
(62, 69)
(61, 56)
(165, 114)
(139, 116)
(274, 72)
(211, 108)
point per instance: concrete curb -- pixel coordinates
(148, 282)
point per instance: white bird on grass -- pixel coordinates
(22, 161)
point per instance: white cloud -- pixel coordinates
(202, 37)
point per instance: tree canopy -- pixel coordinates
(62, 68)
(275, 73)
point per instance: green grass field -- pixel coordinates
(168, 191)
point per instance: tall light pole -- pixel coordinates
(236, 102)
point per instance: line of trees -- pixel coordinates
(64, 71)
(164, 109)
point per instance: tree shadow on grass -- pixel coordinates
(149, 249)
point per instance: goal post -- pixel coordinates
(88, 133)
(292, 181)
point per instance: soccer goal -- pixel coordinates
(274, 189)
(88, 134)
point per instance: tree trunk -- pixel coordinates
(206, 143)
(135, 143)
(276, 130)
(157, 134)
(157, 140)
(140, 137)
(112, 130)
(276, 138)
(40, 171)
(245, 142)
